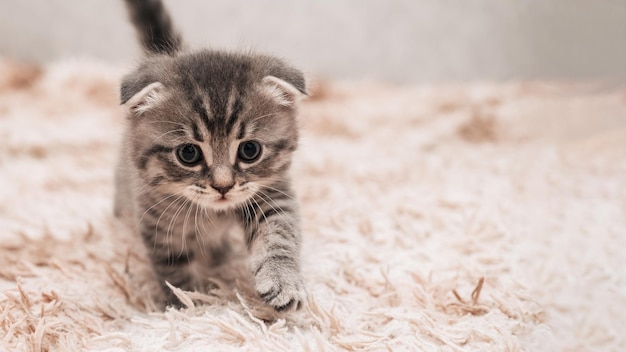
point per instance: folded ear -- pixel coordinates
(277, 68)
(282, 92)
(289, 74)
(138, 102)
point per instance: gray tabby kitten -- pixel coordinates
(207, 146)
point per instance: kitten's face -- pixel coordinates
(215, 148)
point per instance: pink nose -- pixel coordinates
(222, 189)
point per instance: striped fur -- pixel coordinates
(216, 102)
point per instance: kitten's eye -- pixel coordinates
(189, 154)
(249, 151)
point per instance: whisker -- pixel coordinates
(184, 234)
(147, 210)
(197, 230)
(279, 191)
(206, 213)
(172, 122)
(256, 216)
(156, 227)
(173, 220)
(168, 132)
(261, 210)
(244, 207)
(278, 211)
(262, 116)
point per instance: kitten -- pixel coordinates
(207, 146)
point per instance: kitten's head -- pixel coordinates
(214, 127)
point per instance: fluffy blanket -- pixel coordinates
(453, 218)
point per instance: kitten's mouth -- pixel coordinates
(216, 201)
(222, 199)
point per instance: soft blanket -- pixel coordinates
(454, 217)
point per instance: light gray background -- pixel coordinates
(397, 40)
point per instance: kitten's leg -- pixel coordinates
(174, 267)
(172, 256)
(273, 237)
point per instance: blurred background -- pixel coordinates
(406, 41)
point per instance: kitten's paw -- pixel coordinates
(281, 289)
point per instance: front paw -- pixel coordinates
(281, 288)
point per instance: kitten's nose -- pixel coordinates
(222, 179)
(222, 189)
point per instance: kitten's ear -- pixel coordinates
(288, 74)
(282, 92)
(143, 100)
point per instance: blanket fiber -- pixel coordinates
(454, 218)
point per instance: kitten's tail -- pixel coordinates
(154, 26)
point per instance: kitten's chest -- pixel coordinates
(213, 229)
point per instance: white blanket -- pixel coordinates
(475, 217)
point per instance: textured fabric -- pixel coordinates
(453, 218)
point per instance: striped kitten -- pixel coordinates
(207, 146)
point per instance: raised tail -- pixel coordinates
(154, 26)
